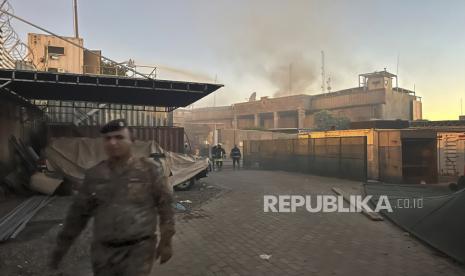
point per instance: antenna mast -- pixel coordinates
(323, 74)
(397, 71)
(75, 15)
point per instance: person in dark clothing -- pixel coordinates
(127, 197)
(220, 153)
(236, 156)
(213, 153)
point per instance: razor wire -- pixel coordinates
(11, 46)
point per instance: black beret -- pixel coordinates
(114, 125)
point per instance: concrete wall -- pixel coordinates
(245, 121)
(357, 104)
(212, 113)
(288, 120)
(380, 82)
(266, 120)
(355, 113)
(265, 104)
(398, 106)
(71, 62)
(417, 110)
(347, 98)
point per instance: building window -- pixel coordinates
(53, 70)
(53, 50)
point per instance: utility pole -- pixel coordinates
(323, 74)
(215, 131)
(75, 14)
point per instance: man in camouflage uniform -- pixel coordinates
(124, 195)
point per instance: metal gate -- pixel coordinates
(344, 157)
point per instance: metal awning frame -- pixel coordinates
(128, 91)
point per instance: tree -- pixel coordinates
(324, 120)
(111, 68)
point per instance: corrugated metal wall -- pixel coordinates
(169, 138)
(94, 114)
(343, 157)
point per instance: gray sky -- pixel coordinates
(248, 45)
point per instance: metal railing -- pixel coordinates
(118, 70)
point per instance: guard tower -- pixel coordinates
(376, 80)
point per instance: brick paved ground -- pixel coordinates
(228, 233)
(232, 231)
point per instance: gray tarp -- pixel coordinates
(73, 156)
(440, 222)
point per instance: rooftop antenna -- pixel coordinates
(397, 71)
(75, 15)
(328, 82)
(323, 76)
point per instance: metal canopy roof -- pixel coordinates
(104, 89)
(379, 73)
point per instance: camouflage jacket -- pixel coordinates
(124, 201)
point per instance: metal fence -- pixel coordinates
(169, 138)
(344, 157)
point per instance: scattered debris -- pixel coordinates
(180, 207)
(26, 165)
(185, 201)
(15, 221)
(18, 181)
(265, 257)
(42, 183)
(195, 214)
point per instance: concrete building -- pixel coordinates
(374, 98)
(52, 54)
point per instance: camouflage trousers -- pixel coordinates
(123, 260)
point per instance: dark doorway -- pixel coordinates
(419, 160)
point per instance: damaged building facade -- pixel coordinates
(374, 98)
